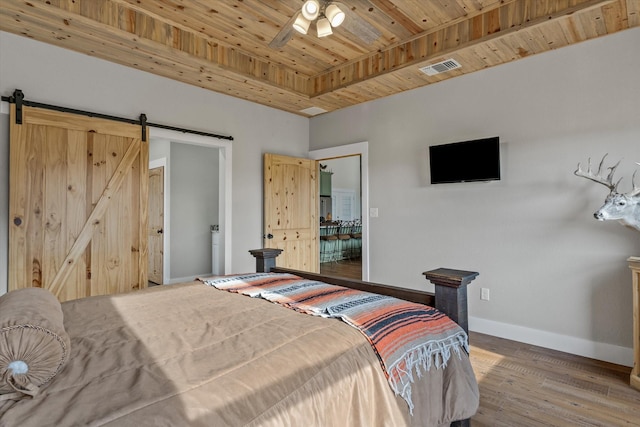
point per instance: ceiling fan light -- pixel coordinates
(311, 9)
(301, 24)
(335, 15)
(324, 27)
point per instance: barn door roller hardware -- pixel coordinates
(18, 99)
(143, 125)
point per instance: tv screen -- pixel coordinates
(476, 160)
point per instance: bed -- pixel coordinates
(190, 354)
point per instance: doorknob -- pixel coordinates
(160, 231)
(268, 236)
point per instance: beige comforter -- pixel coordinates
(191, 355)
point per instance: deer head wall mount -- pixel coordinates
(623, 207)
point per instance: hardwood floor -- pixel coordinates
(525, 385)
(351, 268)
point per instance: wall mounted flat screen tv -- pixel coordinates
(476, 160)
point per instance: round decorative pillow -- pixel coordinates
(34, 345)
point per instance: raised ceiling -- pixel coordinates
(223, 45)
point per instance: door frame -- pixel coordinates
(361, 149)
(224, 191)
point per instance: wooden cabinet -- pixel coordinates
(634, 265)
(325, 183)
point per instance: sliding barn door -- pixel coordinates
(78, 197)
(291, 211)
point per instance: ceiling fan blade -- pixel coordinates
(284, 35)
(358, 26)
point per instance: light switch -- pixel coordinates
(373, 212)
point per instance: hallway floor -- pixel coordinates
(351, 268)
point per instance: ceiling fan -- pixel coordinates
(326, 15)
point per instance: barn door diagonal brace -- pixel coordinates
(86, 234)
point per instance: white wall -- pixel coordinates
(57, 76)
(192, 172)
(557, 276)
(194, 208)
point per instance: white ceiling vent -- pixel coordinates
(441, 67)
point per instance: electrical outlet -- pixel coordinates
(484, 294)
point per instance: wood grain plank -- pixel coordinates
(442, 41)
(633, 12)
(18, 204)
(98, 237)
(34, 178)
(57, 119)
(76, 209)
(141, 249)
(54, 205)
(522, 384)
(116, 219)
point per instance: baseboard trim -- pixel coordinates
(185, 279)
(581, 347)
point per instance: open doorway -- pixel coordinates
(341, 217)
(349, 207)
(176, 152)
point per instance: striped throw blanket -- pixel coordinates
(408, 338)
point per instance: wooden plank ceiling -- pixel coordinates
(223, 45)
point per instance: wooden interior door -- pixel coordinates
(156, 224)
(291, 211)
(78, 196)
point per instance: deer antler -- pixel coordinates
(597, 177)
(636, 190)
